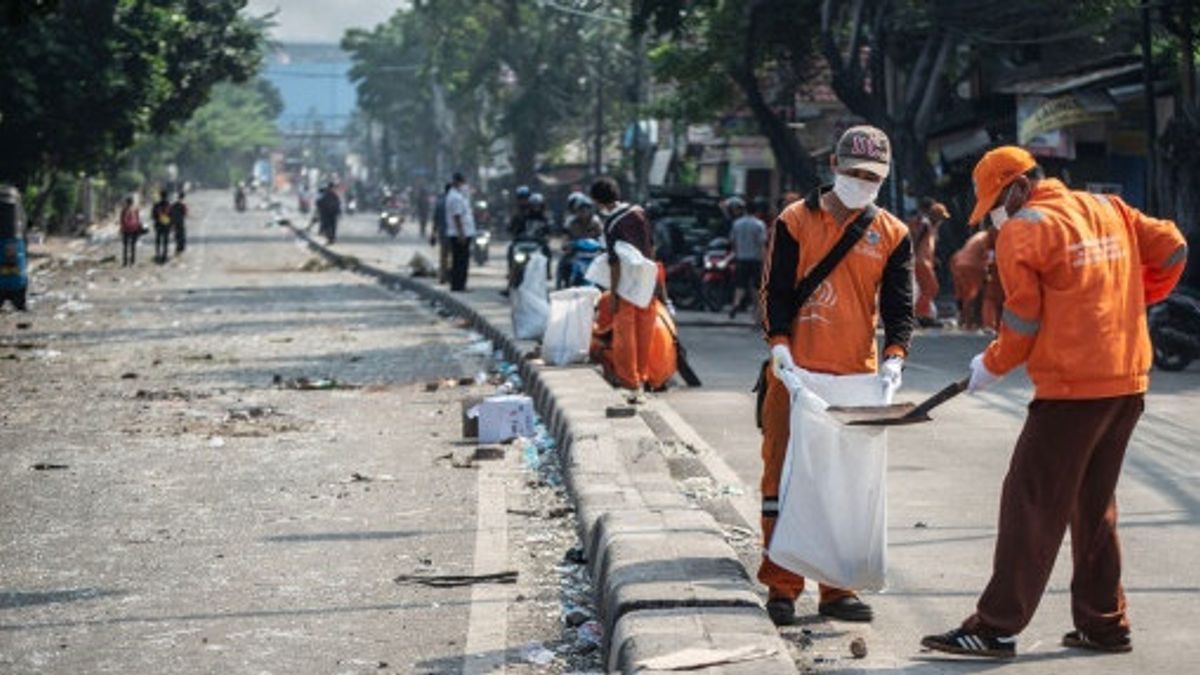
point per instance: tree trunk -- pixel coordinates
(795, 165)
(38, 212)
(524, 159)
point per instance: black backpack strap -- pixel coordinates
(849, 238)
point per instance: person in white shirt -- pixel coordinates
(460, 226)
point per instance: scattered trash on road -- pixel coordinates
(47, 466)
(247, 413)
(694, 658)
(457, 580)
(129, 376)
(216, 442)
(311, 384)
(537, 654)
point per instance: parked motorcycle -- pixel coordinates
(480, 244)
(685, 283)
(718, 281)
(390, 222)
(578, 255)
(1175, 331)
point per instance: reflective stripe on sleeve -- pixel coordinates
(770, 507)
(1022, 326)
(1177, 257)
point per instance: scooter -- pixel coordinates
(578, 255)
(718, 282)
(1175, 331)
(522, 250)
(390, 222)
(480, 245)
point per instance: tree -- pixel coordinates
(84, 78)
(220, 141)
(748, 43)
(451, 78)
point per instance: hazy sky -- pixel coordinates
(322, 20)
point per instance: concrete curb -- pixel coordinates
(665, 578)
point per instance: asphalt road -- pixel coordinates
(170, 504)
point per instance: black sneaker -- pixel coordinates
(782, 611)
(849, 608)
(963, 642)
(1078, 640)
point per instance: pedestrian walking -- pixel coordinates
(179, 213)
(329, 209)
(441, 235)
(422, 202)
(829, 327)
(160, 215)
(461, 223)
(924, 231)
(633, 326)
(749, 237)
(131, 230)
(1079, 270)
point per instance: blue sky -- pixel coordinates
(322, 20)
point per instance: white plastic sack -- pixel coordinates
(639, 274)
(598, 273)
(832, 524)
(569, 329)
(530, 308)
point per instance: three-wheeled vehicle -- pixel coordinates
(14, 270)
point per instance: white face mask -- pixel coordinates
(999, 215)
(855, 193)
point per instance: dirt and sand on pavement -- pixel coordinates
(236, 463)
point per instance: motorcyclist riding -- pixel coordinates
(530, 227)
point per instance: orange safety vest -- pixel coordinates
(834, 332)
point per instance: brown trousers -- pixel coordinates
(776, 427)
(1063, 473)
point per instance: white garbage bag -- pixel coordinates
(530, 308)
(639, 274)
(832, 524)
(598, 272)
(569, 329)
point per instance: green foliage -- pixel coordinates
(83, 79)
(220, 141)
(448, 79)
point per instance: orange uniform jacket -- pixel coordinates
(834, 332)
(1078, 270)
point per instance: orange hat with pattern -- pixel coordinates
(994, 172)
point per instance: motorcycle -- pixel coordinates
(480, 245)
(239, 201)
(390, 222)
(578, 255)
(1175, 331)
(718, 282)
(520, 252)
(351, 206)
(685, 284)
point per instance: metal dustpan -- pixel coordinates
(898, 413)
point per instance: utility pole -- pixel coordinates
(639, 173)
(598, 147)
(1151, 114)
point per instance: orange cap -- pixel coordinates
(994, 172)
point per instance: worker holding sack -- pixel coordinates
(626, 226)
(1078, 271)
(834, 263)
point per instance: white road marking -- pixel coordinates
(487, 628)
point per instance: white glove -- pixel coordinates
(981, 377)
(781, 360)
(890, 374)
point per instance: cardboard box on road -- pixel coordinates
(502, 418)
